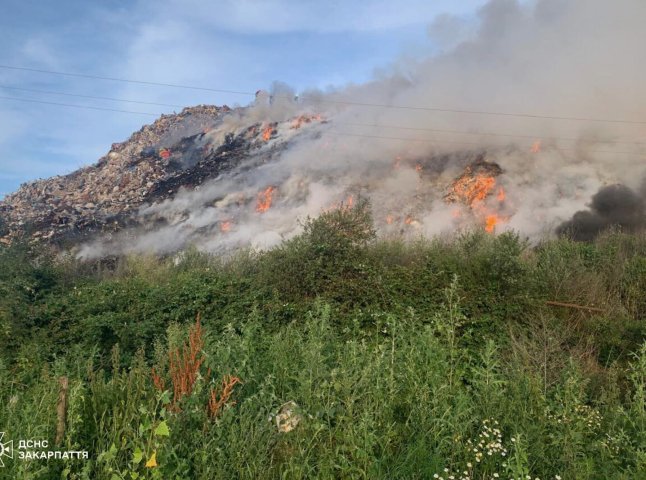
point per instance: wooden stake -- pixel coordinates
(572, 305)
(61, 410)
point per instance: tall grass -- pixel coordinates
(432, 359)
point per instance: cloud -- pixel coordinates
(38, 51)
(279, 16)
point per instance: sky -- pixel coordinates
(241, 45)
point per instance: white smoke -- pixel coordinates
(546, 59)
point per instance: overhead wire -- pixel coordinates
(125, 80)
(490, 134)
(352, 124)
(435, 141)
(92, 97)
(337, 133)
(88, 107)
(316, 99)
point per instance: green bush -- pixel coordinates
(402, 359)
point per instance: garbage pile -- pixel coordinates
(153, 164)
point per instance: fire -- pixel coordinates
(397, 163)
(490, 223)
(342, 205)
(390, 219)
(536, 146)
(474, 189)
(225, 226)
(419, 168)
(301, 119)
(408, 220)
(164, 153)
(267, 133)
(263, 202)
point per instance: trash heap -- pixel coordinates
(173, 152)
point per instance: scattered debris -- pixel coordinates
(287, 418)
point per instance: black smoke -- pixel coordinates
(612, 206)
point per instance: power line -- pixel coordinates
(125, 80)
(341, 102)
(483, 112)
(352, 124)
(461, 132)
(334, 132)
(432, 141)
(78, 106)
(50, 92)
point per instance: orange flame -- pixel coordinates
(263, 202)
(389, 219)
(474, 189)
(225, 226)
(301, 119)
(490, 223)
(164, 153)
(536, 146)
(267, 133)
(408, 220)
(419, 168)
(501, 195)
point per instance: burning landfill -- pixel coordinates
(220, 178)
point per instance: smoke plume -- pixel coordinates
(612, 206)
(550, 91)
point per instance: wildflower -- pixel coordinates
(495, 475)
(436, 476)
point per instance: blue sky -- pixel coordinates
(227, 44)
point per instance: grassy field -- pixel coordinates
(335, 355)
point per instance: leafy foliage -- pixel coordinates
(398, 360)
